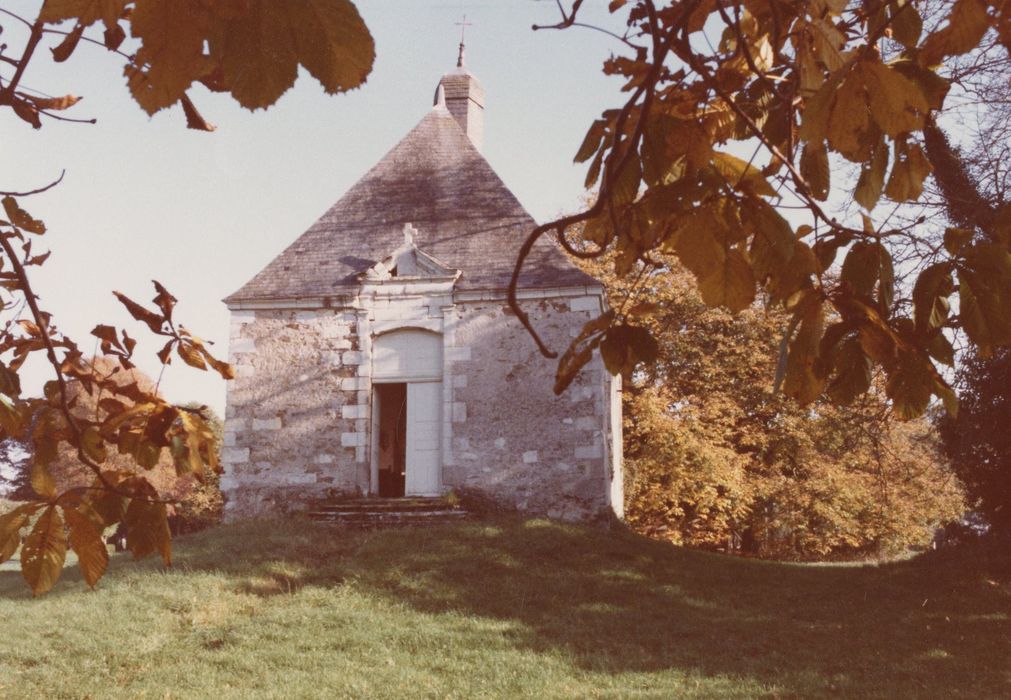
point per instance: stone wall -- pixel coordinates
(298, 415)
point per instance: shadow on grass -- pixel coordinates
(618, 602)
(615, 602)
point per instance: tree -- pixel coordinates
(737, 114)
(978, 440)
(717, 459)
(250, 49)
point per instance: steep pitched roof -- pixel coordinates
(436, 180)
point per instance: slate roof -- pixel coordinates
(436, 180)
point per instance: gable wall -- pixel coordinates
(298, 415)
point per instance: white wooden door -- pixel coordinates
(424, 439)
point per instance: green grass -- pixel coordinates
(505, 609)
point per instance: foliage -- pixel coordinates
(979, 440)
(740, 110)
(718, 459)
(107, 449)
(503, 609)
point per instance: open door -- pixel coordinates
(424, 439)
(390, 438)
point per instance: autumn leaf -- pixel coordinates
(86, 12)
(44, 551)
(20, 218)
(147, 527)
(87, 543)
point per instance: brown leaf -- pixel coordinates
(62, 52)
(44, 551)
(153, 320)
(194, 120)
(87, 543)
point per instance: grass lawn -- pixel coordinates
(505, 608)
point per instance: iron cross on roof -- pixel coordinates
(463, 31)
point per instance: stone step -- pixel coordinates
(383, 505)
(358, 518)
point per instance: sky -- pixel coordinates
(145, 198)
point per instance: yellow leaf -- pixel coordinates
(730, 284)
(10, 529)
(742, 175)
(44, 551)
(87, 543)
(851, 130)
(911, 168)
(967, 23)
(93, 444)
(42, 481)
(191, 355)
(897, 103)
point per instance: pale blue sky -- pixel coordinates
(145, 198)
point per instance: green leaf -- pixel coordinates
(87, 543)
(44, 551)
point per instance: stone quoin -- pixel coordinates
(377, 354)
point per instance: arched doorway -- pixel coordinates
(406, 413)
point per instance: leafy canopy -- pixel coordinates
(740, 109)
(122, 434)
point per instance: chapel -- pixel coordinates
(377, 354)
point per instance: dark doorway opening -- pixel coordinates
(392, 402)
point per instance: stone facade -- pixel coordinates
(299, 417)
(394, 299)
